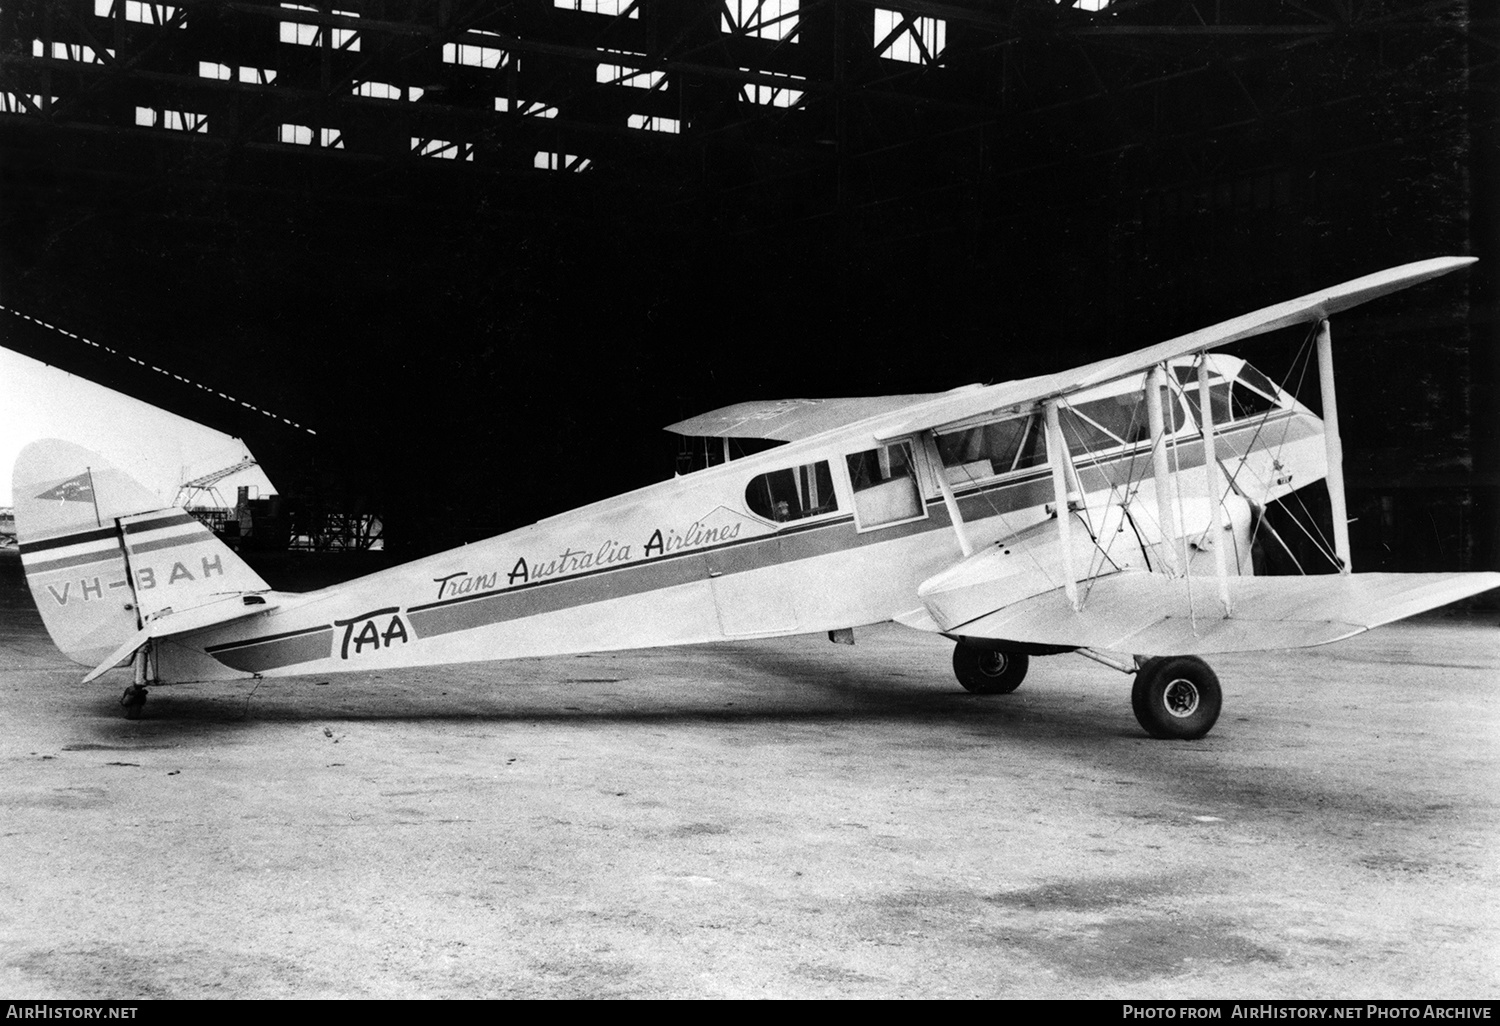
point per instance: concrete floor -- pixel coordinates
(784, 819)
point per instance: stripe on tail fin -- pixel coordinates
(101, 556)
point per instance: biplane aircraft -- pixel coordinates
(1109, 510)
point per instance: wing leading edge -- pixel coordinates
(791, 420)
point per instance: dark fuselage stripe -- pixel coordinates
(276, 651)
(84, 559)
(98, 533)
(152, 525)
(268, 638)
(95, 534)
(195, 538)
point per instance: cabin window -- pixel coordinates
(982, 451)
(1229, 400)
(1122, 418)
(997, 448)
(792, 494)
(885, 485)
(1100, 424)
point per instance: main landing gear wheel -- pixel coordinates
(134, 699)
(987, 672)
(1176, 697)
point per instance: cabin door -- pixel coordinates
(751, 589)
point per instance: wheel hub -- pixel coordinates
(1180, 698)
(992, 664)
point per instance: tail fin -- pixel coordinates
(101, 554)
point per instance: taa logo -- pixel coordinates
(364, 631)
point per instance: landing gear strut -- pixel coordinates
(134, 698)
(1176, 697)
(987, 672)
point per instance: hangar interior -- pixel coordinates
(455, 263)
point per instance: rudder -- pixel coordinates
(101, 554)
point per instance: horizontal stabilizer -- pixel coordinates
(1151, 614)
(169, 623)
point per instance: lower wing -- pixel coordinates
(1151, 614)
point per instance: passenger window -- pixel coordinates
(1258, 381)
(1249, 402)
(1082, 434)
(983, 451)
(1108, 423)
(1124, 416)
(793, 493)
(990, 449)
(1218, 395)
(885, 485)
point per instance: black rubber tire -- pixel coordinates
(988, 672)
(134, 701)
(1176, 697)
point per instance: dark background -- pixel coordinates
(478, 343)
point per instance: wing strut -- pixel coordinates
(1057, 456)
(935, 457)
(1161, 473)
(1215, 482)
(1335, 447)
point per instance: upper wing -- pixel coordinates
(1146, 613)
(1315, 306)
(790, 420)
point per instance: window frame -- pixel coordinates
(834, 490)
(917, 477)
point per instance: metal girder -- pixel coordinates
(842, 73)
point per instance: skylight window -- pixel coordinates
(386, 91)
(142, 13)
(21, 103)
(441, 149)
(616, 8)
(69, 52)
(304, 34)
(766, 19)
(305, 135)
(649, 123)
(475, 55)
(208, 69)
(257, 76)
(526, 108)
(620, 74)
(906, 37)
(561, 162)
(174, 120)
(771, 95)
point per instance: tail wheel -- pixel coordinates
(1176, 697)
(133, 700)
(987, 672)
